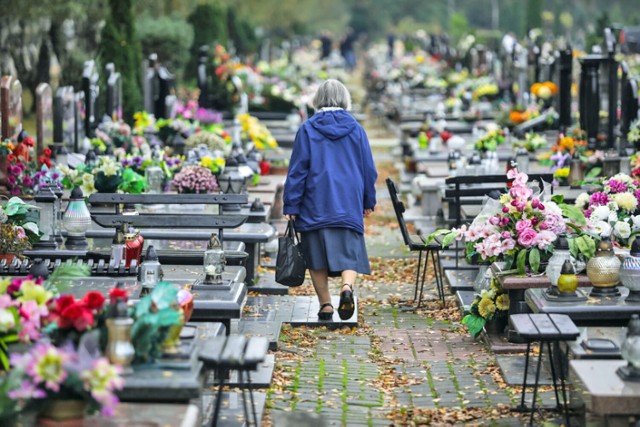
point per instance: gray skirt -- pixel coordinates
(335, 249)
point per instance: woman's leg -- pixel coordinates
(348, 278)
(320, 280)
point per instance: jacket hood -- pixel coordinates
(334, 124)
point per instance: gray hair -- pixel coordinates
(332, 93)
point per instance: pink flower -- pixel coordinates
(522, 225)
(598, 198)
(508, 244)
(494, 220)
(27, 390)
(521, 193)
(554, 223)
(506, 235)
(21, 234)
(528, 238)
(545, 238)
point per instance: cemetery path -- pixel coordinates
(397, 367)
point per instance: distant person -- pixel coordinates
(330, 188)
(326, 44)
(347, 49)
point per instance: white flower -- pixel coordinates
(552, 208)
(636, 221)
(602, 228)
(582, 201)
(623, 177)
(622, 229)
(626, 201)
(613, 217)
(7, 321)
(600, 213)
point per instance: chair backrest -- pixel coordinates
(398, 207)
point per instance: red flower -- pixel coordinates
(76, 316)
(93, 300)
(64, 301)
(117, 294)
(11, 157)
(47, 152)
(28, 141)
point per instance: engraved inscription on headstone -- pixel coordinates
(44, 117)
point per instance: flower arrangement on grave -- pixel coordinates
(143, 123)
(195, 179)
(48, 373)
(489, 304)
(116, 133)
(214, 139)
(22, 165)
(106, 175)
(520, 229)
(485, 91)
(544, 90)
(490, 140)
(23, 309)
(532, 141)
(573, 144)
(256, 132)
(612, 212)
(17, 231)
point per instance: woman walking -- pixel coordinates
(330, 187)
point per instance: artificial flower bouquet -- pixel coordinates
(490, 140)
(22, 165)
(520, 229)
(613, 211)
(195, 179)
(532, 141)
(256, 132)
(488, 304)
(633, 135)
(17, 232)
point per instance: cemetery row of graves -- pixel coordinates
(131, 246)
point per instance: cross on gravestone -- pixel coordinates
(11, 107)
(166, 85)
(44, 117)
(64, 118)
(80, 114)
(114, 93)
(91, 91)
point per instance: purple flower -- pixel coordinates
(598, 198)
(617, 186)
(27, 390)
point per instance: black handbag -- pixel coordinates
(290, 265)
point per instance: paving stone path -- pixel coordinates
(398, 367)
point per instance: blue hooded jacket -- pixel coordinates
(332, 176)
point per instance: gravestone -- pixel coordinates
(629, 107)
(149, 82)
(91, 90)
(11, 107)
(44, 117)
(165, 89)
(564, 88)
(590, 97)
(612, 74)
(80, 114)
(64, 116)
(114, 93)
(203, 84)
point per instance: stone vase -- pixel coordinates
(65, 412)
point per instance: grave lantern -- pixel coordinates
(630, 272)
(76, 221)
(45, 200)
(214, 261)
(630, 351)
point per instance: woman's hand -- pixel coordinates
(290, 217)
(368, 212)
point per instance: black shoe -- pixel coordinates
(347, 303)
(325, 315)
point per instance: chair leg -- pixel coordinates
(216, 412)
(415, 293)
(523, 406)
(553, 374)
(245, 408)
(424, 273)
(253, 403)
(564, 392)
(535, 386)
(437, 274)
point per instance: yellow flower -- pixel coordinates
(206, 162)
(502, 302)
(4, 284)
(486, 307)
(32, 292)
(561, 173)
(626, 201)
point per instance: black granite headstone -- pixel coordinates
(91, 90)
(80, 113)
(64, 128)
(566, 69)
(114, 93)
(590, 97)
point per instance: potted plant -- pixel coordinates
(488, 310)
(17, 232)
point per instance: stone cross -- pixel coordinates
(91, 91)
(44, 117)
(80, 114)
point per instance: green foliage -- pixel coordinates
(169, 36)
(209, 26)
(241, 33)
(458, 26)
(62, 277)
(534, 14)
(121, 46)
(154, 315)
(474, 323)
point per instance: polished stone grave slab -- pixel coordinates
(579, 349)
(232, 412)
(260, 378)
(266, 285)
(512, 368)
(460, 280)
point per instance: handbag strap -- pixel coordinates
(290, 231)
